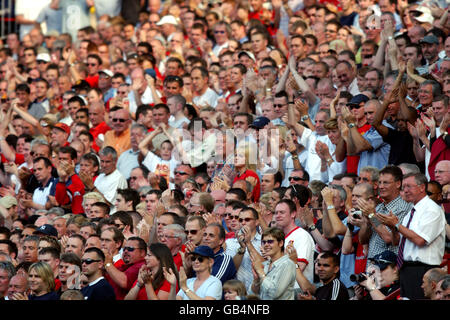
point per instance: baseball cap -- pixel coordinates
(169, 19)
(47, 229)
(260, 122)
(43, 57)
(109, 73)
(151, 72)
(384, 259)
(430, 39)
(356, 100)
(248, 53)
(52, 33)
(8, 201)
(62, 126)
(423, 14)
(204, 251)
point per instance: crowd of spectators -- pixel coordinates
(225, 150)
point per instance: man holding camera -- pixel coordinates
(378, 236)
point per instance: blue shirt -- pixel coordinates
(223, 267)
(377, 157)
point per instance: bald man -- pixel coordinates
(442, 172)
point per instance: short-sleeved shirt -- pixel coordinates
(108, 184)
(401, 147)
(427, 222)
(131, 271)
(211, 287)
(378, 157)
(400, 208)
(304, 245)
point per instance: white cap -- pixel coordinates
(169, 19)
(107, 72)
(44, 57)
(248, 53)
(426, 15)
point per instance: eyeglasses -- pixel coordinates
(134, 178)
(296, 179)
(118, 120)
(278, 105)
(91, 64)
(231, 217)
(219, 31)
(245, 219)
(41, 62)
(170, 237)
(354, 106)
(130, 249)
(198, 258)
(331, 31)
(271, 241)
(122, 92)
(181, 173)
(89, 261)
(193, 232)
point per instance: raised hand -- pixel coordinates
(169, 275)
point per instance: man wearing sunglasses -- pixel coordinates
(123, 277)
(92, 267)
(246, 242)
(120, 135)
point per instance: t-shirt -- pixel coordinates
(304, 245)
(99, 289)
(131, 271)
(142, 294)
(75, 15)
(352, 161)
(211, 287)
(401, 147)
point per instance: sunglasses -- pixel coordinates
(89, 261)
(219, 31)
(231, 217)
(296, 179)
(278, 105)
(354, 106)
(118, 120)
(271, 241)
(130, 249)
(181, 173)
(245, 219)
(193, 232)
(92, 64)
(198, 258)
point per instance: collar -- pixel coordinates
(96, 281)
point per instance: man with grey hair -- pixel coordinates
(173, 236)
(128, 160)
(409, 168)
(176, 105)
(7, 271)
(110, 178)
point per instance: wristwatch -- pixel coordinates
(241, 250)
(305, 117)
(109, 264)
(312, 228)
(371, 215)
(330, 207)
(397, 226)
(187, 290)
(351, 125)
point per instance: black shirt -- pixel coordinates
(334, 290)
(401, 147)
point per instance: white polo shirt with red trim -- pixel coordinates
(304, 244)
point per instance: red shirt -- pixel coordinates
(20, 158)
(257, 189)
(352, 161)
(132, 272)
(142, 294)
(92, 80)
(71, 192)
(101, 128)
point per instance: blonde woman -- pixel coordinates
(41, 282)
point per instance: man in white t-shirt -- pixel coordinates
(285, 212)
(110, 178)
(203, 95)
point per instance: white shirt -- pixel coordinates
(428, 222)
(217, 48)
(30, 10)
(209, 98)
(304, 245)
(127, 161)
(313, 163)
(158, 166)
(109, 184)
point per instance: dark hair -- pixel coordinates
(394, 171)
(54, 252)
(242, 196)
(125, 218)
(130, 195)
(334, 257)
(68, 150)
(142, 245)
(72, 258)
(164, 256)
(47, 162)
(99, 252)
(290, 204)
(77, 99)
(12, 247)
(103, 206)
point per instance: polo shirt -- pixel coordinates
(304, 245)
